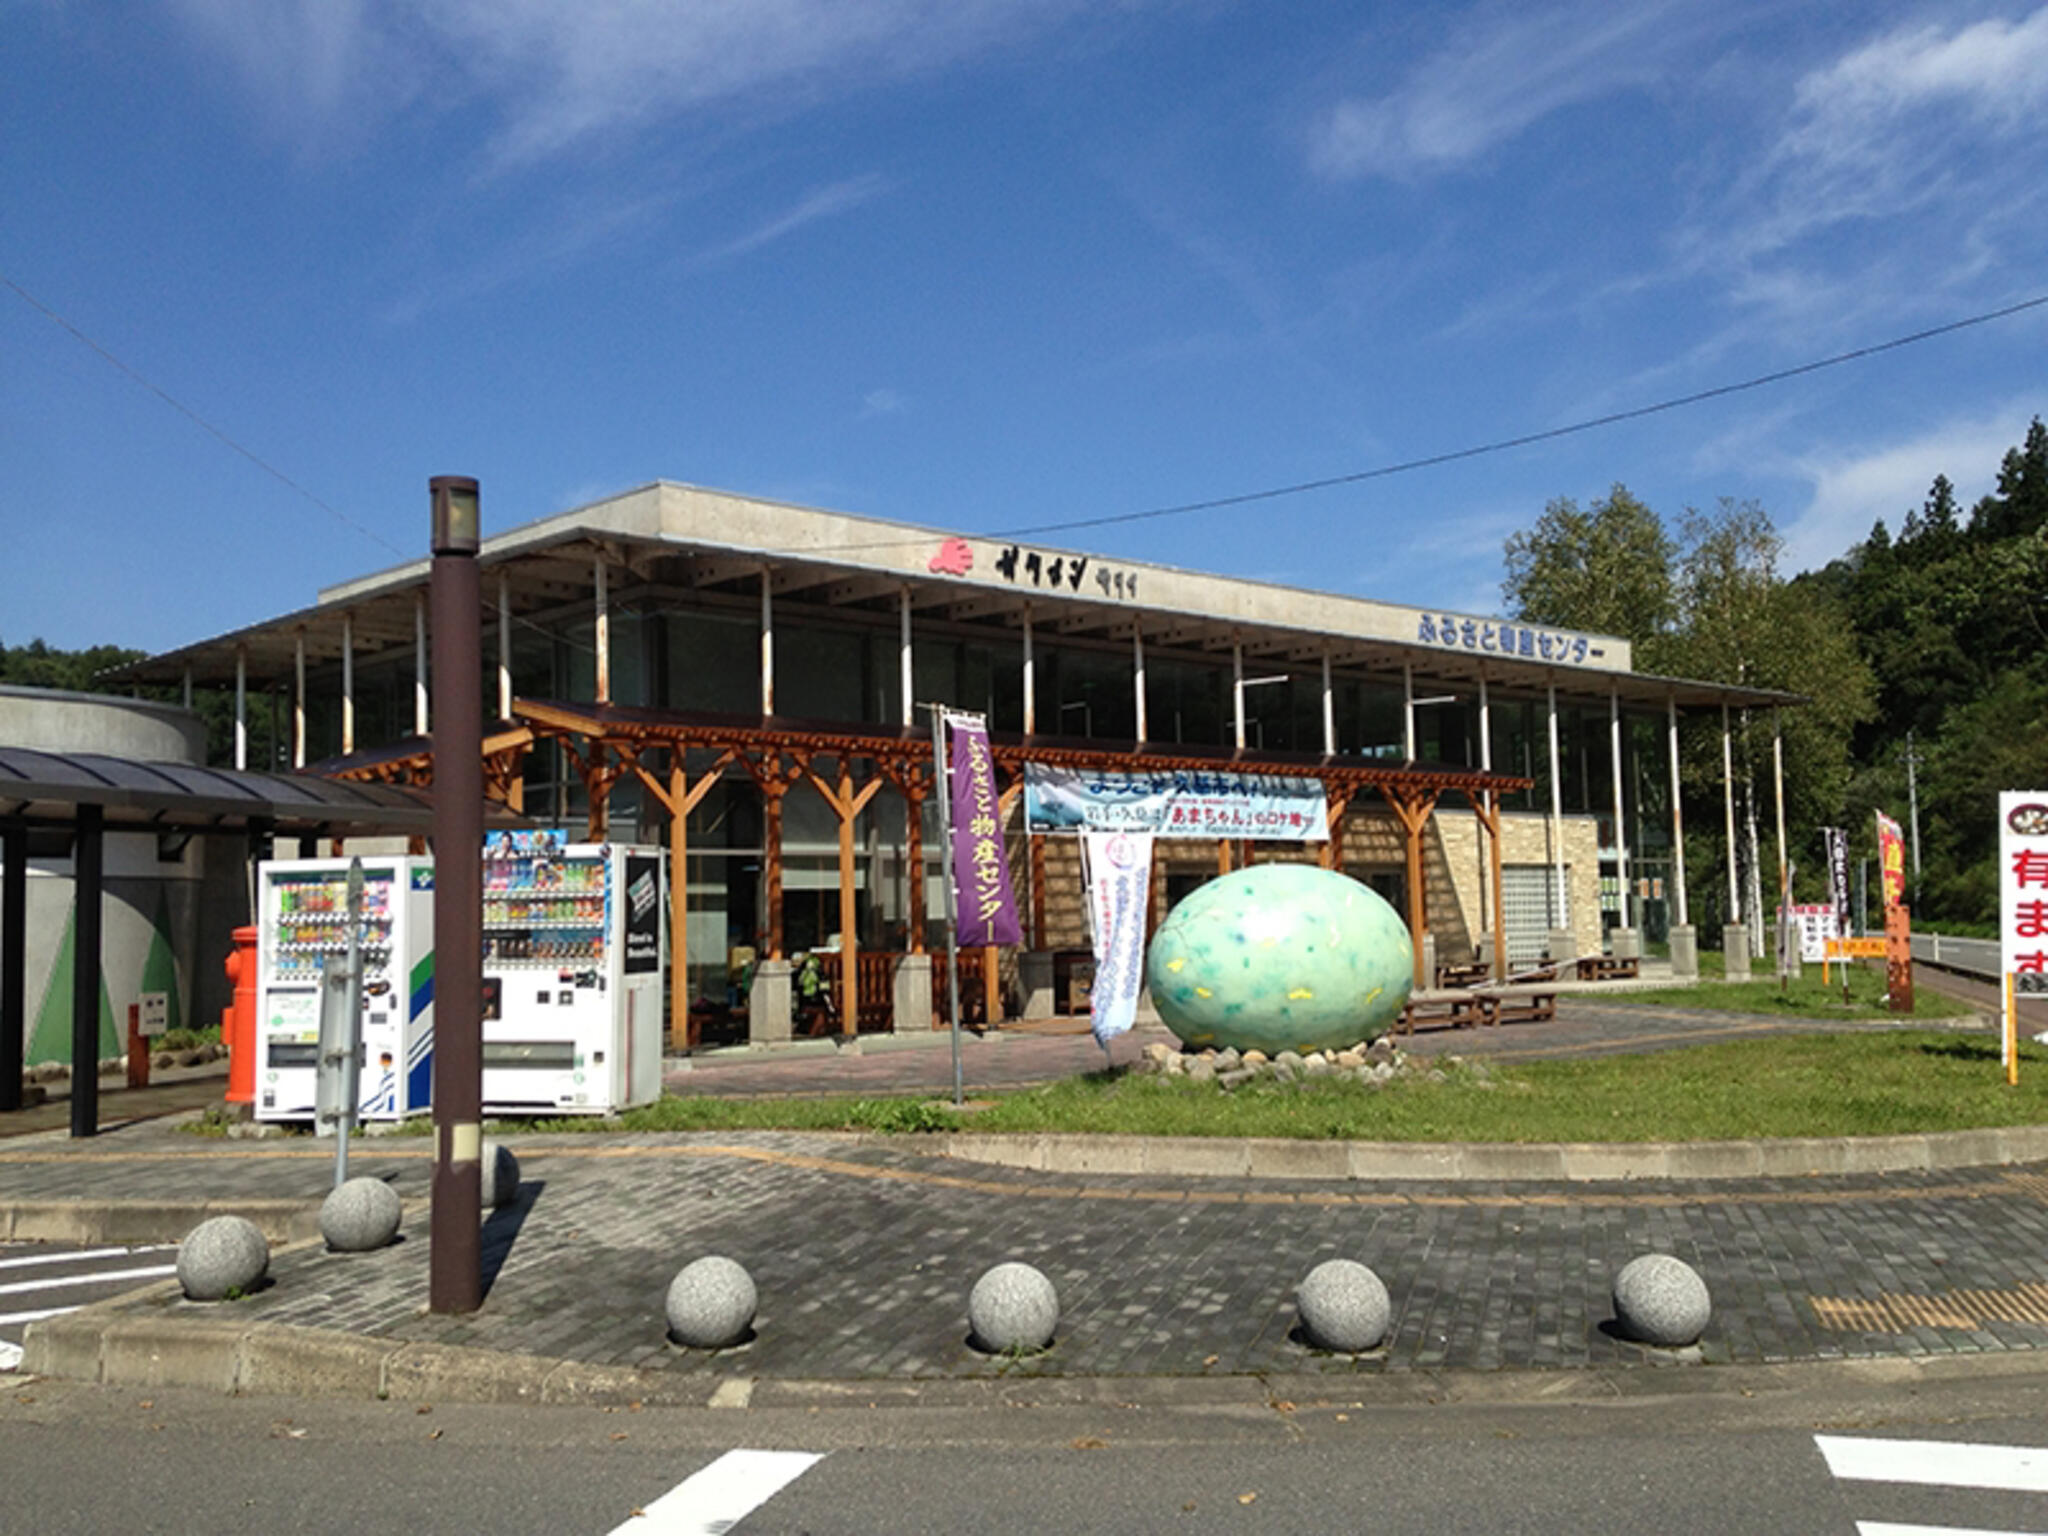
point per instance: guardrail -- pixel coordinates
(1970, 957)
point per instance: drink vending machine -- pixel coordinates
(302, 922)
(573, 951)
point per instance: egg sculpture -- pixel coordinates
(1280, 957)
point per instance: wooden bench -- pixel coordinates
(1470, 974)
(1523, 1006)
(1454, 1010)
(1607, 968)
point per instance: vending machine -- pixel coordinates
(573, 950)
(302, 922)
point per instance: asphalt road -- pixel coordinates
(40, 1280)
(1789, 1451)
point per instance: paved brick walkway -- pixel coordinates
(864, 1253)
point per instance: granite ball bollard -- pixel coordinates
(360, 1215)
(1343, 1307)
(711, 1304)
(1013, 1309)
(1280, 957)
(500, 1170)
(1661, 1300)
(223, 1256)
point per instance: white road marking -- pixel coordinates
(10, 1356)
(149, 1272)
(66, 1258)
(714, 1500)
(1887, 1528)
(2012, 1468)
(33, 1317)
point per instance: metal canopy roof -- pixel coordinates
(665, 542)
(48, 787)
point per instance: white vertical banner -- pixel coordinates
(1119, 870)
(2022, 899)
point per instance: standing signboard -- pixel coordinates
(1837, 840)
(1119, 868)
(2022, 904)
(981, 868)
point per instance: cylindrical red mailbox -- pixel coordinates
(238, 1019)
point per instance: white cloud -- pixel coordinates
(1853, 488)
(554, 74)
(1491, 80)
(882, 402)
(822, 203)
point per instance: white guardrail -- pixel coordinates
(1971, 957)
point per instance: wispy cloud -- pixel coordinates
(1498, 73)
(822, 203)
(1854, 487)
(553, 75)
(882, 402)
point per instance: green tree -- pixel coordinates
(1605, 568)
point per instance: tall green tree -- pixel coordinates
(1605, 568)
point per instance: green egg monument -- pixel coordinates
(1280, 957)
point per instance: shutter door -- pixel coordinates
(1529, 893)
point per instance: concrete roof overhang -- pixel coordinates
(669, 540)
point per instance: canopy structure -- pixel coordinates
(608, 742)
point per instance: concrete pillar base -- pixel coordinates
(1484, 950)
(1429, 959)
(913, 999)
(1561, 945)
(1034, 980)
(1735, 951)
(1685, 951)
(768, 1003)
(1625, 943)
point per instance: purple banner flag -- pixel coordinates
(981, 867)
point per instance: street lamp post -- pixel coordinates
(455, 1258)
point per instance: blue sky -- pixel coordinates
(989, 264)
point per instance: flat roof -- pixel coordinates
(671, 539)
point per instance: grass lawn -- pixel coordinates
(1805, 996)
(1874, 1082)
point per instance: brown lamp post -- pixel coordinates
(455, 1239)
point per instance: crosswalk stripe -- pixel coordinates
(64, 1258)
(716, 1498)
(33, 1317)
(1890, 1528)
(2013, 1468)
(149, 1272)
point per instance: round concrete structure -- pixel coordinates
(500, 1173)
(360, 1215)
(1661, 1300)
(223, 1256)
(1013, 1309)
(710, 1304)
(1343, 1307)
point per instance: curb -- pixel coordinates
(149, 1221)
(1498, 1162)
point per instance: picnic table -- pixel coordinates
(1608, 968)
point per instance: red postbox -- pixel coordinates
(238, 1019)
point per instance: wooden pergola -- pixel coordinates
(608, 742)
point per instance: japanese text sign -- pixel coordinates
(981, 867)
(2023, 888)
(1262, 807)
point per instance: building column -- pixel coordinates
(1734, 932)
(603, 631)
(1329, 710)
(13, 964)
(767, 645)
(1489, 856)
(1778, 785)
(86, 864)
(419, 664)
(1685, 944)
(1627, 940)
(241, 707)
(1563, 923)
(504, 645)
(188, 687)
(1237, 687)
(909, 669)
(1138, 680)
(348, 684)
(299, 697)
(1408, 711)
(1030, 679)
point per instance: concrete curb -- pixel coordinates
(149, 1221)
(1495, 1162)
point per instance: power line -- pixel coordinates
(191, 415)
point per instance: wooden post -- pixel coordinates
(847, 803)
(682, 1028)
(773, 788)
(1037, 891)
(1413, 807)
(913, 815)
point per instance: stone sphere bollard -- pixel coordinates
(500, 1175)
(222, 1256)
(711, 1304)
(1013, 1309)
(360, 1215)
(1661, 1300)
(1343, 1307)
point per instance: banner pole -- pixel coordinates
(941, 777)
(2012, 1034)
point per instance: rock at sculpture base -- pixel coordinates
(360, 1215)
(710, 1304)
(1343, 1307)
(1661, 1300)
(1013, 1309)
(1280, 957)
(223, 1256)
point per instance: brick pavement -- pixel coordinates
(864, 1252)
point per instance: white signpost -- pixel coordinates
(2022, 907)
